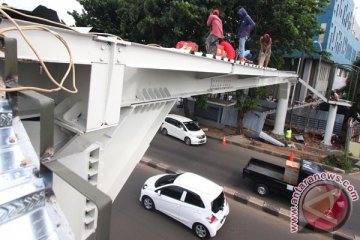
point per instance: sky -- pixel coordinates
(357, 12)
(62, 6)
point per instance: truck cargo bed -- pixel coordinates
(266, 168)
(266, 171)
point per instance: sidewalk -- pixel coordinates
(310, 150)
(300, 152)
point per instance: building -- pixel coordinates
(356, 31)
(341, 40)
(340, 27)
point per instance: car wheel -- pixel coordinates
(164, 131)
(262, 189)
(148, 203)
(187, 141)
(201, 231)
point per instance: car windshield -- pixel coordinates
(191, 126)
(167, 179)
(218, 203)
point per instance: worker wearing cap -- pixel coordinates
(216, 32)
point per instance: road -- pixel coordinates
(221, 163)
(131, 221)
(224, 164)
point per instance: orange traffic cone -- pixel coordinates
(291, 157)
(223, 140)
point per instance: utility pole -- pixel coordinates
(319, 66)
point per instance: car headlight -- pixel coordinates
(201, 137)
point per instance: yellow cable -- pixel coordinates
(71, 63)
(58, 36)
(58, 24)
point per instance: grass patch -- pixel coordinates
(338, 161)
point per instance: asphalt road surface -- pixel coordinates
(224, 163)
(221, 163)
(131, 221)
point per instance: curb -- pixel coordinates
(251, 201)
(281, 155)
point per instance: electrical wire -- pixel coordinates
(58, 24)
(60, 38)
(71, 66)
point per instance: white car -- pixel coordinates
(184, 129)
(189, 198)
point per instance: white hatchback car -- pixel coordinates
(189, 198)
(184, 129)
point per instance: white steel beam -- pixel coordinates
(125, 92)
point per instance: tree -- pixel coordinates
(246, 101)
(352, 86)
(291, 23)
(162, 22)
(200, 101)
(351, 91)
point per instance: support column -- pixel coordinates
(281, 109)
(330, 125)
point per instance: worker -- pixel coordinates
(245, 28)
(265, 50)
(228, 48)
(216, 32)
(334, 96)
(309, 97)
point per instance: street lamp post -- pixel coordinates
(318, 70)
(314, 83)
(356, 80)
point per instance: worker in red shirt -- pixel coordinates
(229, 49)
(216, 32)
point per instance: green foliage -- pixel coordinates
(162, 22)
(246, 101)
(291, 23)
(201, 102)
(351, 91)
(338, 161)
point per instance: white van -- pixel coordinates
(184, 129)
